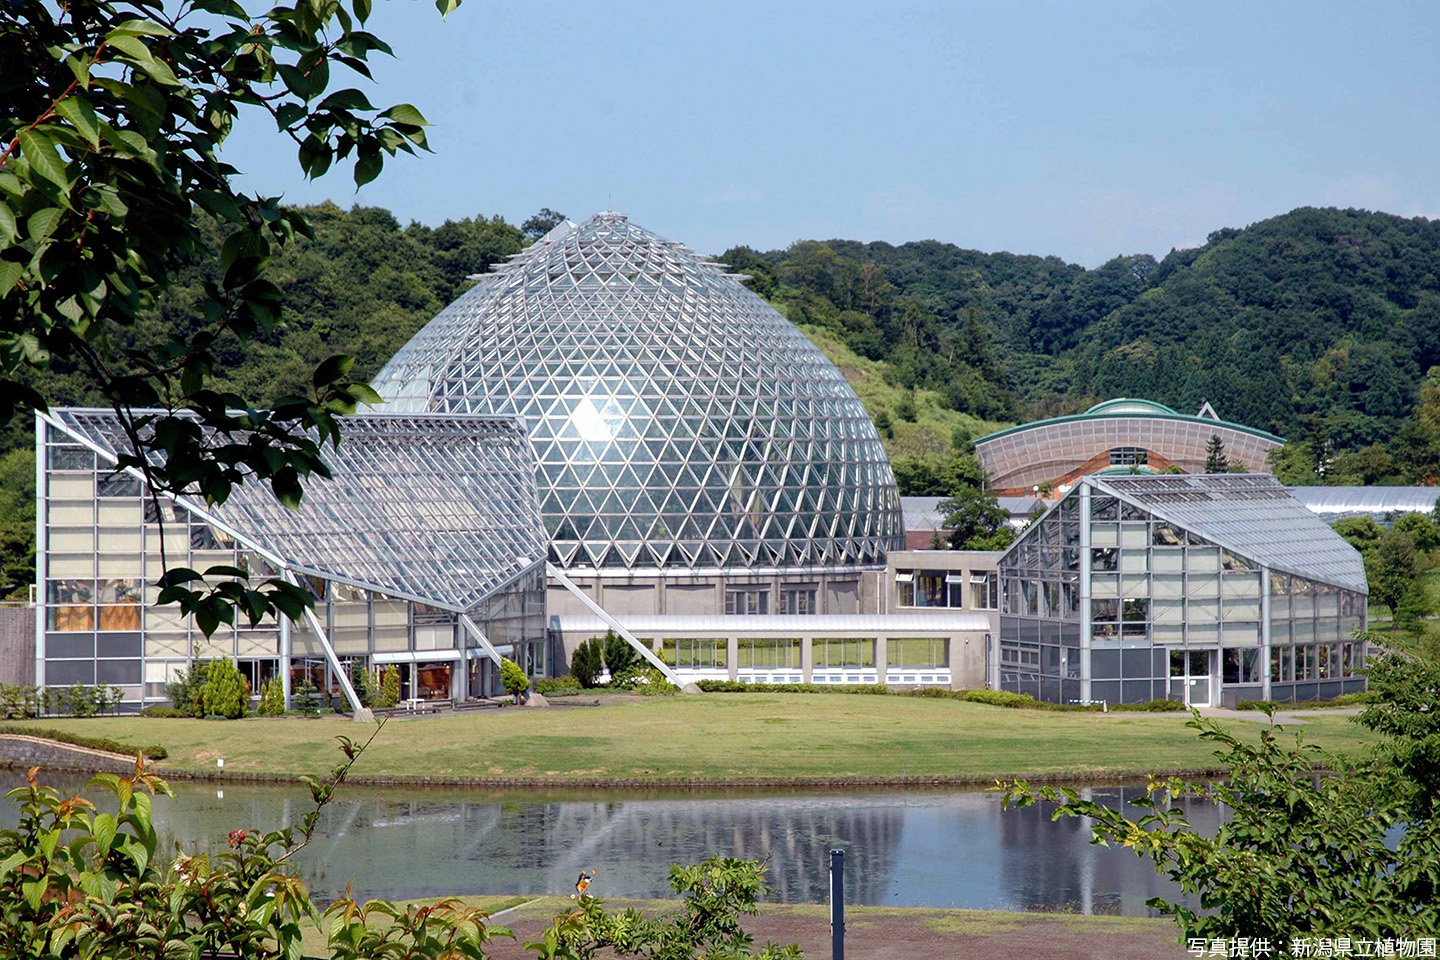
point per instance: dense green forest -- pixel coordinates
(1320, 325)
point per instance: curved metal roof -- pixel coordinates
(1130, 405)
(678, 420)
(1367, 500)
(1125, 407)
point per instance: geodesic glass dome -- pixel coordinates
(678, 420)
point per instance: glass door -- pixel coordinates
(1190, 676)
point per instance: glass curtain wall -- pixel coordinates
(1160, 593)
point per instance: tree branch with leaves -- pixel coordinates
(112, 117)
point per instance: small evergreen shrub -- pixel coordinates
(272, 699)
(588, 662)
(224, 693)
(557, 687)
(513, 679)
(305, 699)
(619, 655)
(645, 680)
(390, 687)
(186, 690)
(358, 676)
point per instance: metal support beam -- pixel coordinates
(340, 673)
(642, 648)
(485, 645)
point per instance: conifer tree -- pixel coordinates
(1215, 460)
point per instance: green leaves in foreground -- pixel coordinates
(112, 117)
(1316, 844)
(76, 881)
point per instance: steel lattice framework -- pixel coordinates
(678, 420)
(439, 509)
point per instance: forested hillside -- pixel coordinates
(1319, 325)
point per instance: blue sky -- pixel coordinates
(1084, 130)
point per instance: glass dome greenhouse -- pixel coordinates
(679, 421)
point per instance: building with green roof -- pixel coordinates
(1121, 435)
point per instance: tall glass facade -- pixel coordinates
(1114, 596)
(104, 543)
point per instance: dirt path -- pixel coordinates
(885, 933)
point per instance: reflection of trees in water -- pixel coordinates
(1054, 864)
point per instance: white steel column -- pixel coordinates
(42, 430)
(1085, 611)
(599, 611)
(485, 645)
(285, 658)
(1265, 678)
(340, 674)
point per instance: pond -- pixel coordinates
(951, 848)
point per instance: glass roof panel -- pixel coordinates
(571, 330)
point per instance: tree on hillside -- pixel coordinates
(1215, 460)
(542, 223)
(112, 117)
(1392, 567)
(976, 520)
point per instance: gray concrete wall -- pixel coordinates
(17, 643)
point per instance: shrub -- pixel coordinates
(1344, 700)
(1150, 706)
(619, 655)
(163, 713)
(19, 700)
(513, 679)
(360, 679)
(186, 690)
(1001, 698)
(272, 698)
(224, 694)
(588, 662)
(305, 699)
(249, 901)
(644, 680)
(390, 687)
(154, 751)
(557, 686)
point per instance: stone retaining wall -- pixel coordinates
(25, 752)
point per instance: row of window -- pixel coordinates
(756, 600)
(946, 588)
(784, 654)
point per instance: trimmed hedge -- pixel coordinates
(994, 698)
(558, 687)
(1344, 700)
(166, 712)
(740, 686)
(154, 751)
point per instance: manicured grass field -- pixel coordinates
(712, 736)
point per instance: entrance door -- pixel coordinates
(1190, 675)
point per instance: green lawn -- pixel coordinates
(707, 736)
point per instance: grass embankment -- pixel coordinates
(712, 737)
(933, 429)
(914, 933)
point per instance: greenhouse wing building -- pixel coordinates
(1204, 589)
(423, 550)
